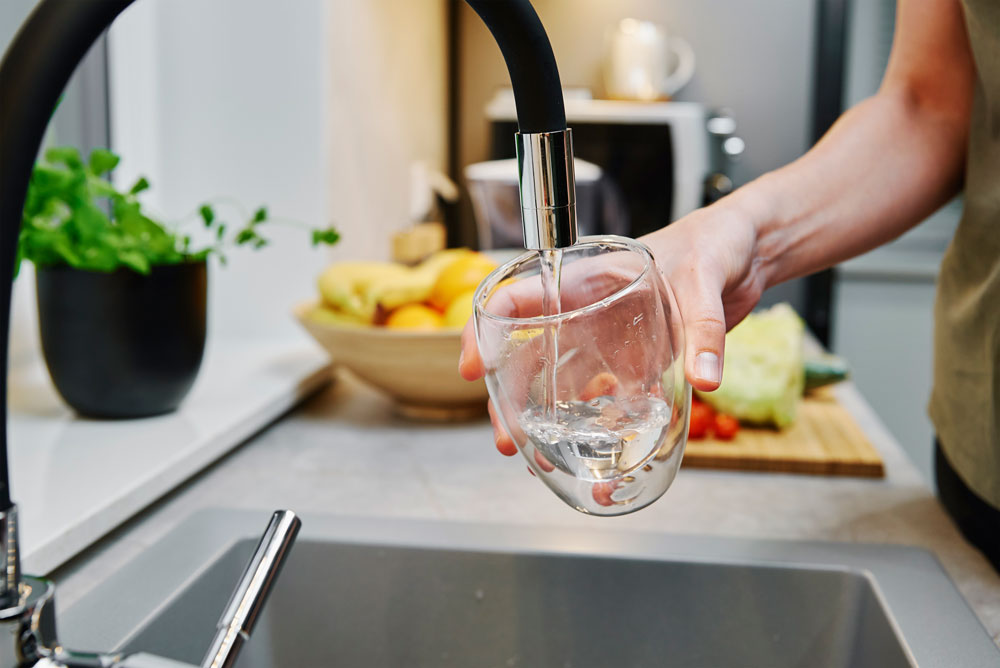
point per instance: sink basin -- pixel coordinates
(391, 593)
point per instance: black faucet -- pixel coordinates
(33, 74)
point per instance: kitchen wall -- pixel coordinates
(12, 15)
(755, 58)
(315, 107)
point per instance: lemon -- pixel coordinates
(459, 310)
(462, 275)
(414, 317)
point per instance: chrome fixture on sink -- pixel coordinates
(30, 632)
(33, 74)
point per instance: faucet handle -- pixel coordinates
(251, 592)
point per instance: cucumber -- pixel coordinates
(824, 370)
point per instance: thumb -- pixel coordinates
(704, 319)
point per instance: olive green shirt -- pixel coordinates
(965, 401)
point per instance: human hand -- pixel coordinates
(710, 261)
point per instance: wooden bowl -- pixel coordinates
(417, 369)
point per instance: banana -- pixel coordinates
(393, 291)
(346, 285)
(358, 289)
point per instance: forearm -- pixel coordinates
(885, 165)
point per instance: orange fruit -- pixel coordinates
(414, 317)
(459, 310)
(462, 275)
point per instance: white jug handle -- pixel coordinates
(685, 66)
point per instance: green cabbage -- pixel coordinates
(762, 378)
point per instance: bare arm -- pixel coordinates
(887, 163)
(883, 167)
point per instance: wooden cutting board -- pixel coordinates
(824, 440)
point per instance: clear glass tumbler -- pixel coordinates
(593, 393)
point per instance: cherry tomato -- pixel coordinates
(702, 419)
(726, 426)
(602, 491)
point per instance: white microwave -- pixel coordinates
(660, 155)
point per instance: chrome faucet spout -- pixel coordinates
(251, 592)
(548, 189)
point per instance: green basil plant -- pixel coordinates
(74, 215)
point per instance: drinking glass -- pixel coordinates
(590, 386)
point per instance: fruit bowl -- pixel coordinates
(419, 370)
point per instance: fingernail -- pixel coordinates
(461, 358)
(706, 367)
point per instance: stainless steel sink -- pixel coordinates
(392, 593)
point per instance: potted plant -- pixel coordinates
(121, 297)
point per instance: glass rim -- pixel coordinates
(494, 279)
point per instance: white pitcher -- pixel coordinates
(644, 62)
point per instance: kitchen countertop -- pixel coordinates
(345, 452)
(242, 387)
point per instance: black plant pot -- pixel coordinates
(123, 344)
